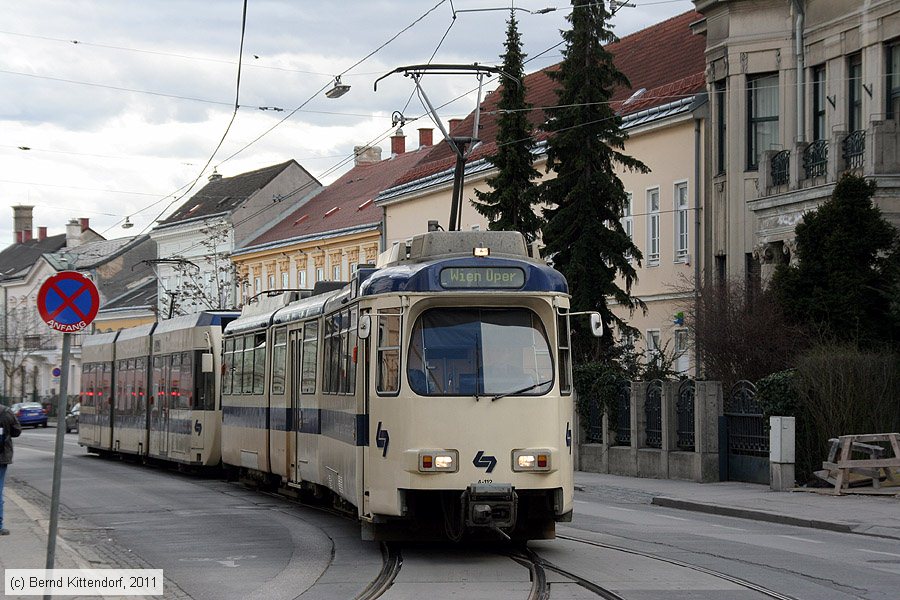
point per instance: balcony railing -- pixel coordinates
(780, 165)
(854, 148)
(815, 159)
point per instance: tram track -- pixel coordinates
(392, 561)
(712, 573)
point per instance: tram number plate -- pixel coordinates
(485, 481)
(482, 277)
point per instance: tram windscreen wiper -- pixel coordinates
(521, 391)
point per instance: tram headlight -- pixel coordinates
(531, 460)
(446, 461)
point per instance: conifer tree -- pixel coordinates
(509, 205)
(846, 279)
(584, 235)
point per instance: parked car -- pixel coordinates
(30, 413)
(72, 417)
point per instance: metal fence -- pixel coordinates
(747, 433)
(854, 147)
(815, 159)
(653, 413)
(623, 414)
(684, 416)
(780, 167)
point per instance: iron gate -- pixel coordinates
(746, 447)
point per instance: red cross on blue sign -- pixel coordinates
(68, 301)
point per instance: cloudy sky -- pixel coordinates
(112, 108)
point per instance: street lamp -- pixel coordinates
(338, 90)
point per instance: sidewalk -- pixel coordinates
(26, 545)
(866, 515)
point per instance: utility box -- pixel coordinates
(782, 440)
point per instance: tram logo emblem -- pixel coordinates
(483, 460)
(382, 439)
(569, 437)
(198, 427)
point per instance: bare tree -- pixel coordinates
(206, 281)
(741, 335)
(21, 339)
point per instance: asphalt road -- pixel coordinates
(220, 540)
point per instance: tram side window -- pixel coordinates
(279, 355)
(140, 379)
(247, 366)
(350, 349)
(159, 389)
(86, 396)
(186, 394)
(227, 365)
(310, 343)
(565, 355)
(205, 398)
(104, 387)
(259, 363)
(388, 381)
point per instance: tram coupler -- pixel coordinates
(490, 505)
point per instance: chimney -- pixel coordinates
(27, 235)
(426, 137)
(73, 233)
(42, 234)
(454, 123)
(85, 223)
(367, 154)
(215, 175)
(398, 143)
(19, 237)
(22, 218)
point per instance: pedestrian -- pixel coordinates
(9, 428)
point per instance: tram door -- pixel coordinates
(295, 342)
(159, 415)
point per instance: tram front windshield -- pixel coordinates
(472, 351)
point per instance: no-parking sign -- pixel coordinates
(68, 301)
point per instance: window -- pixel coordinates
(681, 339)
(257, 285)
(279, 355)
(653, 226)
(389, 351)
(627, 219)
(353, 268)
(285, 284)
(301, 278)
(893, 80)
(340, 353)
(653, 341)
(681, 222)
(259, 363)
(762, 117)
(565, 353)
(854, 95)
(818, 103)
(310, 348)
(227, 365)
(721, 111)
(270, 282)
(320, 274)
(476, 351)
(336, 273)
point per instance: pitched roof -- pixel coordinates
(18, 258)
(344, 204)
(226, 194)
(666, 60)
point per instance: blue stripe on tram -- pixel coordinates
(350, 428)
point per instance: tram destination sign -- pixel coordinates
(482, 277)
(68, 301)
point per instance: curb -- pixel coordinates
(758, 515)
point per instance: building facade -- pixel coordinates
(801, 92)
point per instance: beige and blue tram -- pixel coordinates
(432, 393)
(160, 384)
(95, 420)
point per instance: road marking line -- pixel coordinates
(620, 508)
(673, 518)
(800, 539)
(878, 552)
(726, 527)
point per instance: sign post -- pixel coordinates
(67, 302)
